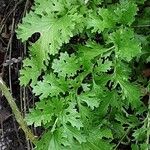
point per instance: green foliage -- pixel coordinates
(51, 85)
(66, 66)
(82, 70)
(126, 45)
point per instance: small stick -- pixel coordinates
(148, 124)
(16, 111)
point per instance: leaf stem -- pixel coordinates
(16, 112)
(54, 125)
(148, 125)
(122, 138)
(144, 25)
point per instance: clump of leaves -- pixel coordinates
(87, 98)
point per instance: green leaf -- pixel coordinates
(100, 133)
(103, 67)
(50, 86)
(121, 76)
(38, 117)
(131, 92)
(106, 101)
(54, 31)
(44, 111)
(86, 87)
(71, 132)
(56, 6)
(140, 133)
(70, 115)
(126, 46)
(144, 146)
(33, 66)
(97, 144)
(103, 19)
(140, 2)
(66, 65)
(86, 115)
(125, 12)
(51, 141)
(134, 147)
(122, 71)
(90, 50)
(90, 99)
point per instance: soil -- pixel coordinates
(11, 53)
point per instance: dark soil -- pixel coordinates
(11, 12)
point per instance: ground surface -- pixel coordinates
(11, 12)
